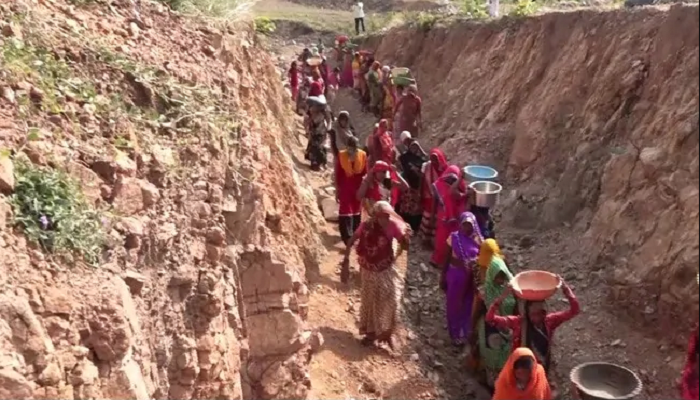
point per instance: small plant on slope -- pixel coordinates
(264, 25)
(475, 9)
(49, 207)
(524, 8)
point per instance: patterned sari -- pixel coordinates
(381, 284)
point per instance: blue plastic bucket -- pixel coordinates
(473, 173)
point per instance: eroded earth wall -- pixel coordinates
(593, 120)
(201, 294)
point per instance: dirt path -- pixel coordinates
(423, 359)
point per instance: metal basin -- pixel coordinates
(605, 381)
(487, 193)
(474, 173)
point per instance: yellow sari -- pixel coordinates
(356, 71)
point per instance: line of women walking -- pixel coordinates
(392, 190)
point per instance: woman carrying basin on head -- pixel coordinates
(534, 328)
(381, 283)
(522, 378)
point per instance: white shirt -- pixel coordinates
(358, 10)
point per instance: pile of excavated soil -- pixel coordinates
(178, 135)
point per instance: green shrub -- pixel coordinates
(264, 25)
(426, 21)
(524, 8)
(475, 8)
(49, 206)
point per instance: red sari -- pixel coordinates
(449, 209)
(317, 88)
(381, 144)
(689, 380)
(431, 172)
(409, 108)
(377, 193)
(348, 178)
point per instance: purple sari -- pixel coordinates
(460, 284)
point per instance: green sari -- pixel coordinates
(495, 347)
(375, 89)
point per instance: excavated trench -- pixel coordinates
(592, 119)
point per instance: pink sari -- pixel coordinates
(346, 79)
(450, 207)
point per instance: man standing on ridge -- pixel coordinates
(358, 11)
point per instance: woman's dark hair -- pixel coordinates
(524, 362)
(352, 142)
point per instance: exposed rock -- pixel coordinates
(330, 209)
(7, 174)
(135, 281)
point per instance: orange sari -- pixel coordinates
(507, 388)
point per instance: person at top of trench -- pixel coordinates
(410, 162)
(341, 132)
(358, 12)
(522, 378)
(448, 205)
(381, 283)
(381, 183)
(350, 171)
(430, 171)
(374, 85)
(409, 108)
(457, 280)
(380, 145)
(534, 327)
(317, 87)
(294, 80)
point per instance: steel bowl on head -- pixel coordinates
(605, 381)
(487, 193)
(473, 173)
